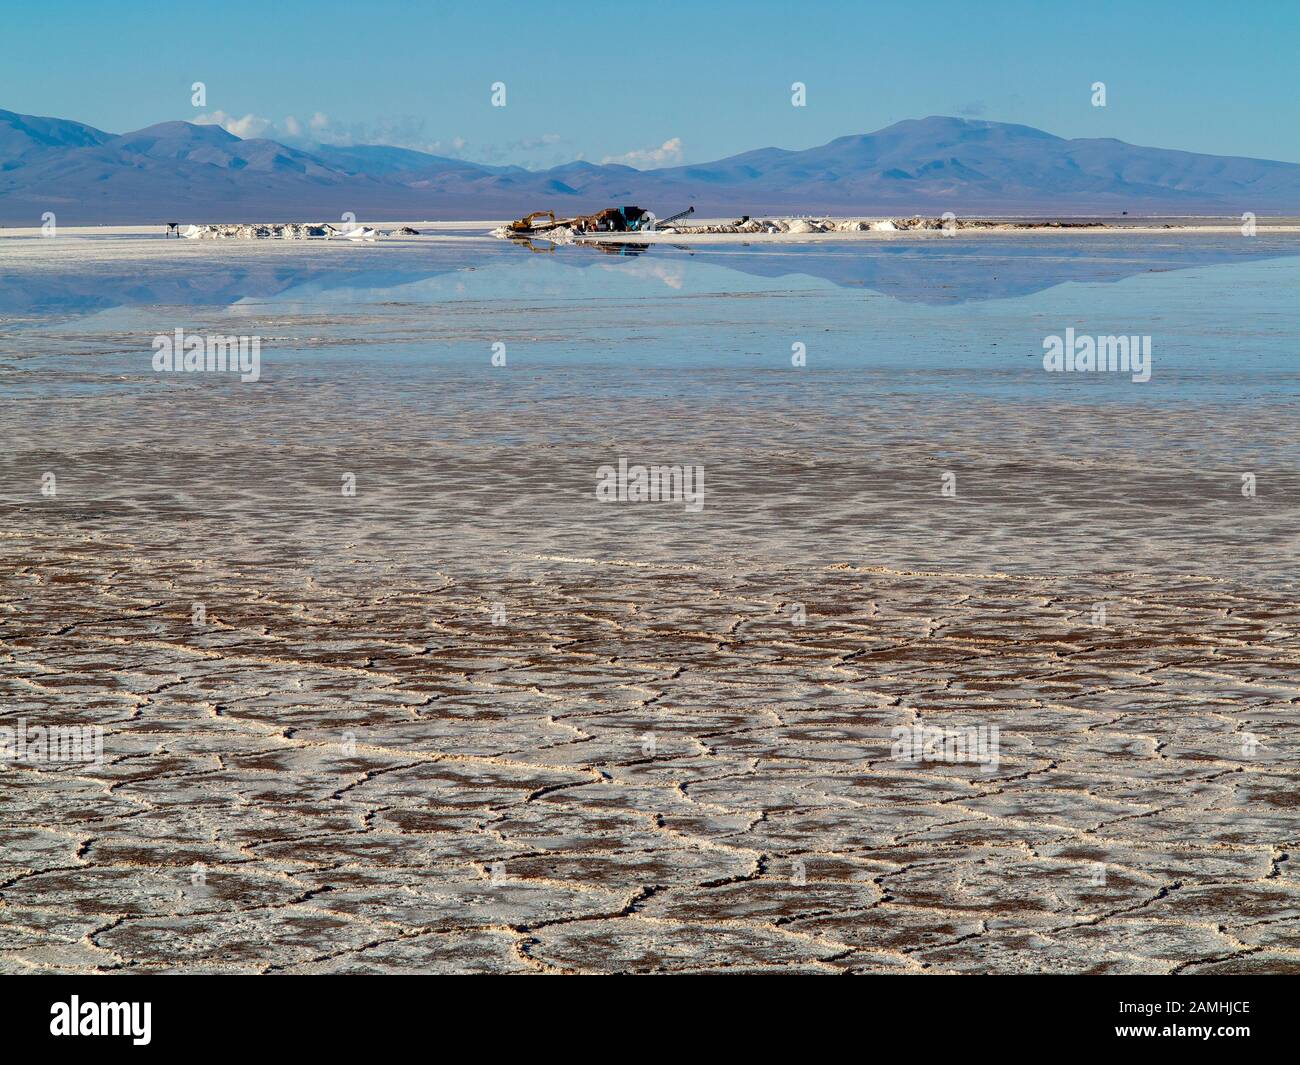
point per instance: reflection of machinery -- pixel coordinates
(527, 242)
(619, 247)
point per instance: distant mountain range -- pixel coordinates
(178, 171)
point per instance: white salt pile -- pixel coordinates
(825, 225)
(277, 231)
(558, 235)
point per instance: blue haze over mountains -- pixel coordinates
(179, 171)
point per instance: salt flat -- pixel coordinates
(469, 718)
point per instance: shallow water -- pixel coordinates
(923, 357)
(930, 313)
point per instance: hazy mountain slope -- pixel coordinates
(181, 171)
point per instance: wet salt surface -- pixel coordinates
(523, 742)
(934, 314)
(383, 355)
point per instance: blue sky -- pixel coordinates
(668, 82)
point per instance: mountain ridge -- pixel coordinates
(200, 172)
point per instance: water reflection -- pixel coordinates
(929, 271)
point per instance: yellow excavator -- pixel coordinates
(529, 223)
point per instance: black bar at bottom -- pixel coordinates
(341, 1014)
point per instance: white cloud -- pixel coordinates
(321, 129)
(248, 126)
(666, 154)
(548, 149)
